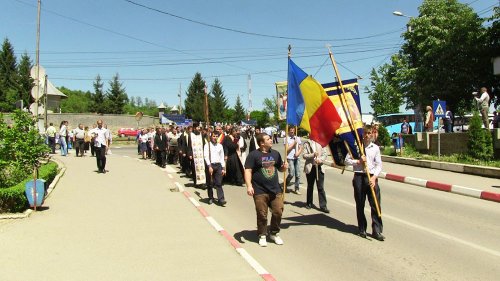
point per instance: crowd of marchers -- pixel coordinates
(239, 156)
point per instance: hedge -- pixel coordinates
(13, 199)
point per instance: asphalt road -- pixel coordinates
(430, 235)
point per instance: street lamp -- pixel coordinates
(400, 14)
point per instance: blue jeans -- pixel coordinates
(64, 146)
(293, 170)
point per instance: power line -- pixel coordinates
(254, 33)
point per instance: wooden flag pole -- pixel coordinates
(348, 114)
(286, 129)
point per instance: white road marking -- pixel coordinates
(253, 263)
(214, 223)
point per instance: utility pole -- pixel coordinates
(250, 107)
(37, 62)
(180, 98)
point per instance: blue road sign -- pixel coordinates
(439, 108)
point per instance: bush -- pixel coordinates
(13, 199)
(21, 148)
(480, 144)
(383, 136)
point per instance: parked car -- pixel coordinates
(128, 132)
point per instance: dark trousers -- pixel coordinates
(92, 148)
(52, 144)
(100, 153)
(311, 179)
(79, 145)
(161, 157)
(173, 155)
(215, 181)
(361, 192)
(266, 201)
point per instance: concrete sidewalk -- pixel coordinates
(122, 225)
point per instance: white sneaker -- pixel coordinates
(263, 241)
(276, 238)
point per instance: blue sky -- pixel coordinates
(157, 52)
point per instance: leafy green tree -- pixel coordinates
(229, 114)
(97, 98)
(18, 159)
(116, 96)
(383, 96)
(479, 144)
(8, 77)
(493, 45)
(195, 98)
(239, 111)
(217, 101)
(261, 116)
(25, 81)
(443, 56)
(271, 107)
(77, 101)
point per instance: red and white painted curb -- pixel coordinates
(246, 256)
(462, 190)
(453, 188)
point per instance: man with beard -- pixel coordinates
(234, 169)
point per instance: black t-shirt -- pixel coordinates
(264, 171)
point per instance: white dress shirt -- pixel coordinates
(214, 153)
(373, 161)
(101, 136)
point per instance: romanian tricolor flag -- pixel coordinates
(349, 108)
(309, 107)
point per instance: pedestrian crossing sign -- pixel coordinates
(439, 108)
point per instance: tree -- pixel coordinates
(493, 45)
(239, 111)
(8, 77)
(271, 107)
(383, 96)
(218, 102)
(443, 56)
(261, 116)
(195, 97)
(116, 96)
(19, 158)
(77, 101)
(97, 98)
(479, 144)
(25, 81)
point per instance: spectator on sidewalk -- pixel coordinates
(51, 136)
(79, 140)
(448, 121)
(63, 134)
(483, 104)
(100, 141)
(429, 119)
(261, 178)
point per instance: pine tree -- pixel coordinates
(98, 96)
(25, 81)
(117, 96)
(195, 96)
(8, 77)
(218, 102)
(479, 143)
(239, 111)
